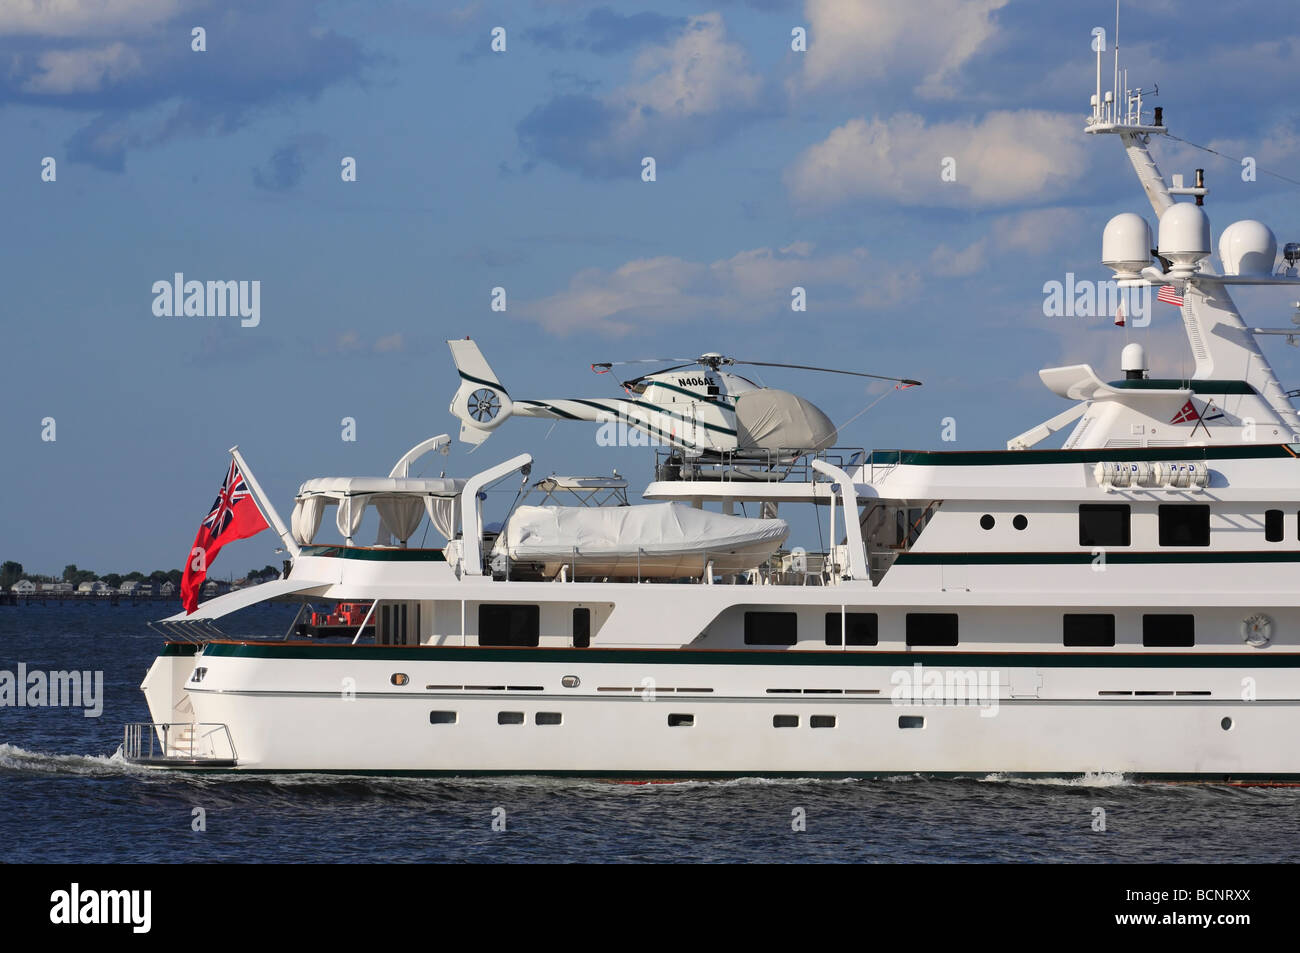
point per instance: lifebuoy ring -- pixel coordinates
(1257, 630)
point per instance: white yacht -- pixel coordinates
(1125, 603)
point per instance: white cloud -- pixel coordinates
(682, 94)
(82, 17)
(751, 285)
(1005, 157)
(854, 43)
(60, 72)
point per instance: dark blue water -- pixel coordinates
(63, 798)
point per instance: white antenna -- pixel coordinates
(1115, 83)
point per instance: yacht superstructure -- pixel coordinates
(1126, 603)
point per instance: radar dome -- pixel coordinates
(1248, 248)
(1126, 245)
(1184, 237)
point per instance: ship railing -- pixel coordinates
(178, 743)
(754, 466)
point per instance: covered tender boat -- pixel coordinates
(657, 540)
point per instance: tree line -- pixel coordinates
(11, 572)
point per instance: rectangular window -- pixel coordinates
(1089, 630)
(510, 718)
(508, 625)
(932, 628)
(581, 628)
(861, 628)
(771, 628)
(911, 721)
(678, 720)
(442, 718)
(1184, 524)
(1173, 631)
(549, 718)
(1273, 526)
(822, 721)
(1104, 524)
(785, 721)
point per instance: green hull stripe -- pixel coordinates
(864, 775)
(451, 653)
(1082, 558)
(1006, 458)
(179, 648)
(1196, 387)
(381, 555)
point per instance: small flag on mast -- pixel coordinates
(1169, 296)
(1119, 314)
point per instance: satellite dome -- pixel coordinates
(1126, 245)
(1248, 247)
(1184, 237)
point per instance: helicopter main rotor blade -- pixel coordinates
(675, 367)
(602, 367)
(830, 370)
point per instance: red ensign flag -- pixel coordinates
(234, 515)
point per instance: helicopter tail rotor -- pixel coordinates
(481, 403)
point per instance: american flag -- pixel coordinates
(1169, 296)
(233, 490)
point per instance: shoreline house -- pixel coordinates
(96, 587)
(53, 588)
(23, 587)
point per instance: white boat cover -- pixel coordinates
(543, 533)
(771, 419)
(350, 486)
(401, 502)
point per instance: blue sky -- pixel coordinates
(521, 169)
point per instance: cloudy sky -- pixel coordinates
(522, 169)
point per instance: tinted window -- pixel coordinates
(862, 628)
(1185, 524)
(581, 628)
(1273, 526)
(771, 628)
(507, 625)
(1104, 524)
(1174, 631)
(1089, 630)
(932, 628)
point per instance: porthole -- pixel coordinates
(1226, 724)
(570, 681)
(400, 678)
(987, 521)
(1020, 522)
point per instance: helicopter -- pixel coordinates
(693, 406)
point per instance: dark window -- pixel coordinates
(1020, 522)
(785, 721)
(1185, 524)
(862, 628)
(678, 720)
(581, 628)
(911, 721)
(771, 628)
(549, 718)
(442, 718)
(1103, 524)
(822, 721)
(932, 628)
(1273, 526)
(1089, 630)
(987, 521)
(1174, 631)
(507, 625)
(510, 718)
